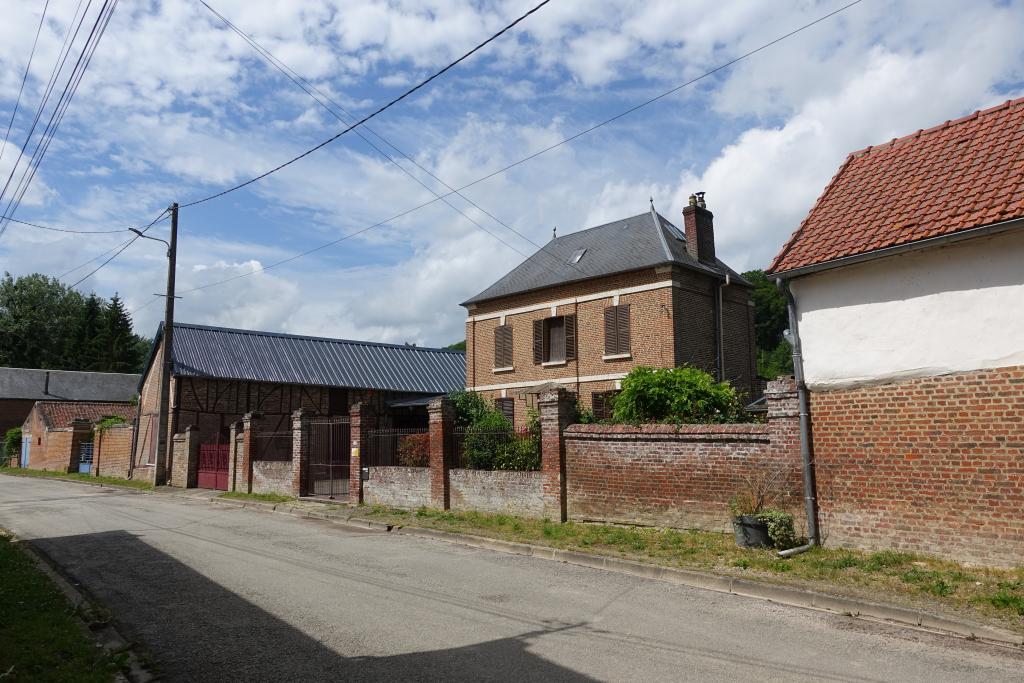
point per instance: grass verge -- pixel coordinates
(981, 594)
(76, 476)
(40, 637)
(262, 497)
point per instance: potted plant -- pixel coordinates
(755, 524)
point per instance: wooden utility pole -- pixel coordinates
(165, 439)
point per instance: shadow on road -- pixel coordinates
(198, 630)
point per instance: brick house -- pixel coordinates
(221, 374)
(907, 295)
(56, 430)
(592, 305)
(20, 388)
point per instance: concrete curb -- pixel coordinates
(100, 484)
(794, 597)
(107, 636)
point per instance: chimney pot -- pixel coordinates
(700, 229)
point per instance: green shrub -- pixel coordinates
(469, 407)
(519, 453)
(677, 396)
(12, 442)
(484, 437)
(780, 528)
(414, 450)
(109, 421)
(584, 415)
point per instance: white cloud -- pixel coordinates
(160, 119)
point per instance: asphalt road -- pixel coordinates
(220, 594)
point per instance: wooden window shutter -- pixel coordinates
(570, 337)
(507, 407)
(610, 329)
(538, 342)
(622, 328)
(503, 346)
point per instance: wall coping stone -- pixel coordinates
(753, 428)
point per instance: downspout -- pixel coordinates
(135, 435)
(719, 328)
(810, 486)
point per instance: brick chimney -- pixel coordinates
(700, 229)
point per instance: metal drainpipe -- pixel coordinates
(720, 333)
(810, 486)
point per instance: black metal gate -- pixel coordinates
(328, 457)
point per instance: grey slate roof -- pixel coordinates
(628, 244)
(66, 385)
(204, 351)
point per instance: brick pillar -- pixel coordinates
(557, 411)
(192, 453)
(300, 450)
(442, 424)
(250, 423)
(783, 403)
(362, 419)
(234, 433)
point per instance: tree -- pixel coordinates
(117, 340)
(43, 324)
(457, 346)
(771, 319)
(36, 313)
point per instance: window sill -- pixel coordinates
(617, 356)
(553, 363)
(498, 371)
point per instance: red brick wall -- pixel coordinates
(55, 452)
(933, 465)
(680, 476)
(112, 449)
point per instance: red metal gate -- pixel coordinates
(213, 466)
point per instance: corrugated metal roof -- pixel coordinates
(204, 351)
(68, 385)
(620, 246)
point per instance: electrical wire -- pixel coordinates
(366, 118)
(70, 89)
(24, 79)
(118, 252)
(76, 232)
(58, 66)
(322, 98)
(536, 154)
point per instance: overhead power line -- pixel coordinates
(535, 154)
(24, 78)
(322, 98)
(69, 230)
(369, 116)
(99, 27)
(119, 250)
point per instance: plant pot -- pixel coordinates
(750, 532)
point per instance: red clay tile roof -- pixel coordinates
(58, 414)
(962, 174)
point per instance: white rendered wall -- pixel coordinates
(942, 310)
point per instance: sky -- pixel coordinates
(175, 106)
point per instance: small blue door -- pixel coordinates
(26, 441)
(85, 458)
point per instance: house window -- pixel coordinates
(554, 339)
(503, 346)
(616, 330)
(507, 407)
(603, 402)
